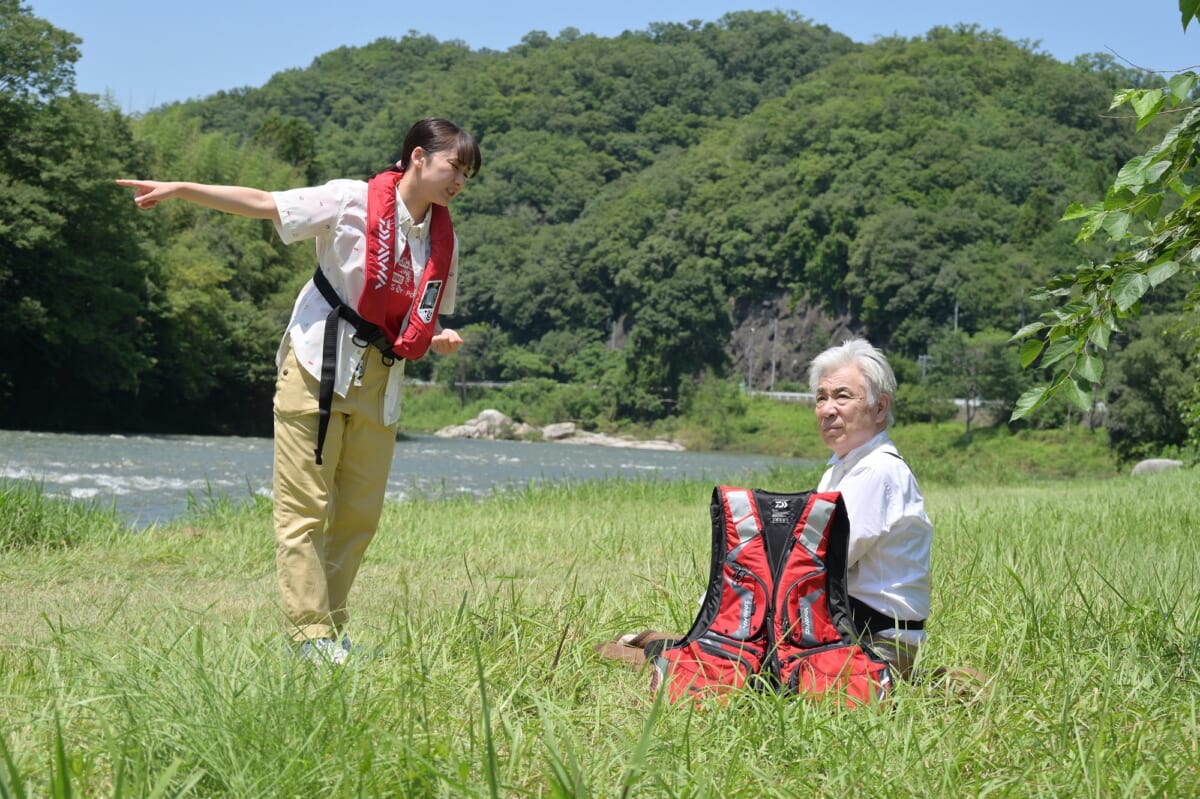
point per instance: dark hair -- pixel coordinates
(437, 135)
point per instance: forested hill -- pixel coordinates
(646, 201)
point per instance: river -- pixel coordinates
(149, 479)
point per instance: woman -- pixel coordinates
(387, 267)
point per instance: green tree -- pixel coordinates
(1149, 386)
(680, 329)
(980, 368)
(37, 60)
(1150, 219)
(226, 283)
(293, 141)
(716, 403)
(75, 338)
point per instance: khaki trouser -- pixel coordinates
(325, 516)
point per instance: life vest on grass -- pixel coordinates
(776, 613)
(391, 314)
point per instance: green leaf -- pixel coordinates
(1183, 84)
(1089, 368)
(1128, 288)
(1027, 330)
(1147, 103)
(1030, 401)
(1191, 197)
(1081, 398)
(1058, 350)
(1079, 211)
(1151, 205)
(1119, 198)
(1155, 170)
(1190, 9)
(1030, 351)
(1161, 272)
(1132, 174)
(1116, 224)
(1120, 98)
(1072, 311)
(1099, 334)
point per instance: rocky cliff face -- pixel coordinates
(774, 340)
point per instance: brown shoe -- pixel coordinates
(630, 648)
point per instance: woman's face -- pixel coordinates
(440, 174)
(845, 418)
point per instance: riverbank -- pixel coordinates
(766, 427)
(154, 662)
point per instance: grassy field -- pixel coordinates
(152, 664)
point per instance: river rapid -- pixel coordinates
(151, 479)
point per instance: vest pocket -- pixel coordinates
(743, 611)
(844, 672)
(705, 667)
(804, 618)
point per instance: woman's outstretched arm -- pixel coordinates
(239, 200)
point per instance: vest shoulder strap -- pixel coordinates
(363, 330)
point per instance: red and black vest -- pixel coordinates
(776, 612)
(392, 314)
(390, 299)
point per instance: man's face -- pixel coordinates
(845, 419)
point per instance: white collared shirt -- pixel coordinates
(890, 535)
(335, 214)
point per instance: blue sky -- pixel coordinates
(144, 53)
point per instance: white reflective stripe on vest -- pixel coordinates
(741, 511)
(814, 527)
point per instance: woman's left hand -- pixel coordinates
(445, 342)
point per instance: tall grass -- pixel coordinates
(30, 518)
(152, 664)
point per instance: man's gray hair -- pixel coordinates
(878, 377)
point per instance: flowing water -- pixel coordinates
(151, 478)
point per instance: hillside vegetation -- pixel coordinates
(720, 199)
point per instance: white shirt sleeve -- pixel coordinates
(309, 212)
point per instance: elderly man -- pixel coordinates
(890, 535)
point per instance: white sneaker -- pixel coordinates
(325, 650)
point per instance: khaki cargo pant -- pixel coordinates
(325, 516)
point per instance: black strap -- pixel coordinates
(363, 331)
(869, 620)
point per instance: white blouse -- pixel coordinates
(335, 214)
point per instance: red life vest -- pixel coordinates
(391, 314)
(390, 299)
(776, 613)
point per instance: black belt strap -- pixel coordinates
(364, 331)
(868, 619)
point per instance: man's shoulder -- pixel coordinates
(883, 460)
